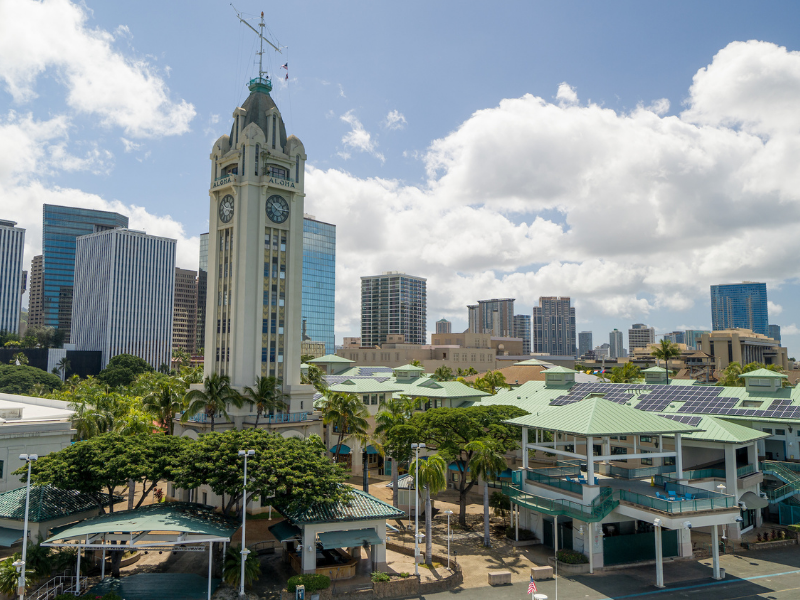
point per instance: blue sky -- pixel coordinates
(535, 149)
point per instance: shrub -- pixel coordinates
(525, 535)
(312, 582)
(405, 575)
(379, 577)
(571, 557)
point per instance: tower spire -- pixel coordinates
(260, 81)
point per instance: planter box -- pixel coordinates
(768, 545)
(568, 569)
(397, 588)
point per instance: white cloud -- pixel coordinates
(774, 309)
(792, 329)
(358, 138)
(341, 91)
(130, 146)
(395, 120)
(121, 91)
(627, 212)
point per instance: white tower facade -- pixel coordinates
(255, 250)
(12, 247)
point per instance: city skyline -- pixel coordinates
(384, 161)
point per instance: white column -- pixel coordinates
(103, 565)
(659, 559)
(524, 450)
(590, 461)
(715, 551)
(78, 572)
(678, 457)
(731, 477)
(516, 525)
(591, 542)
(660, 449)
(752, 456)
(607, 448)
(635, 444)
(210, 561)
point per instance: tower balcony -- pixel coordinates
(224, 181)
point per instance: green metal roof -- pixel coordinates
(330, 358)
(764, 373)
(661, 370)
(599, 417)
(430, 388)
(531, 362)
(559, 370)
(181, 517)
(408, 368)
(717, 430)
(360, 507)
(366, 386)
(47, 503)
(284, 530)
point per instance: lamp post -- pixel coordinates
(448, 512)
(416, 448)
(245, 551)
(659, 555)
(30, 459)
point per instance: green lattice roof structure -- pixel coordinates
(360, 507)
(47, 503)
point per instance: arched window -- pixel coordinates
(297, 169)
(274, 122)
(244, 158)
(258, 152)
(236, 128)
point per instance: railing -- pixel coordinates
(267, 419)
(787, 473)
(225, 176)
(716, 501)
(745, 470)
(699, 474)
(600, 507)
(553, 477)
(640, 472)
(63, 584)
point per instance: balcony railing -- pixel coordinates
(555, 477)
(641, 472)
(600, 507)
(745, 470)
(714, 501)
(266, 419)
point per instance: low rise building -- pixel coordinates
(743, 346)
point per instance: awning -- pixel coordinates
(348, 539)
(345, 449)
(458, 466)
(752, 502)
(372, 450)
(504, 474)
(9, 537)
(285, 531)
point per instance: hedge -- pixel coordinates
(312, 582)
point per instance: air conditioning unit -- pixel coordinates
(451, 485)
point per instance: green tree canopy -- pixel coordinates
(443, 373)
(626, 373)
(266, 396)
(214, 398)
(296, 472)
(123, 369)
(491, 382)
(20, 379)
(730, 376)
(450, 430)
(665, 350)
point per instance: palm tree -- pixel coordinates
(267, 396)
(486, 463)
(348, 415)
(89, 420)
(416, 363)
(213, 399)
(443, 373)
(232, 567)
(315, 377)
(491, 382)
(64, 365)
(164, 402)
(664, 351)
(432, 477)
(394, 412)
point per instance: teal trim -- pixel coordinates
(348, 539)
(343, 449)
(9, 537)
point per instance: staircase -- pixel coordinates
(785, 472)
(600, 507)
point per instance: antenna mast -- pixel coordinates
(261, 38)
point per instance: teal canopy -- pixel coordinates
(345, 449)
(459, 466)
(285, 531)
(9, 537)
(348, 539)
(372, 450)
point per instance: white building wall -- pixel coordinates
(124, 294)
(12, 246)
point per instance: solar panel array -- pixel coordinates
(370, 371)
(685, 419)
(656, 398)
(335, 379)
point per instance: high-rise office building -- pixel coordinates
(393, 303)
(62, 226)
(616, 349)
(495, 316)
(319, 282)
(124, 293)
(35, 314)
(522, 330)
(740, 305)
(602, 351)
(584, 342)
(444, 326)
(12, 247)
(554, 327)
(693, 338)
(640, 336)
(676, 337)
(472, 318)
(775, 332)
(202, 295)
(184, 314)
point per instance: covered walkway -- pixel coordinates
(155, 586)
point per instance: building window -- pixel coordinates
(274, 123)
(647, 461)
(780, 432)
(645, 439)
(766, 430)
(669, 461)
(374, 399)
(255, 170)
(297, 169)
(366, 399)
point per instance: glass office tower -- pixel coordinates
(319, 282)
(61, 226)
(740, 305)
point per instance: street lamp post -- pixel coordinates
(30, 459)
(416, 448)
(245, 551)
(448, 512)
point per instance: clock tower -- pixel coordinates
(255, 250)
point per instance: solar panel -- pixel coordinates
(686, 419)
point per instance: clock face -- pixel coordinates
(226, 209)
(277, 209)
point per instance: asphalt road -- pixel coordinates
(767, 574)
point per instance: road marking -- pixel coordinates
(772, 592)
(704, 585)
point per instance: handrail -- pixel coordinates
(678, 506)
(61, 584)
(554, 480)
(745, 470)
(600, 507)
(781, 470)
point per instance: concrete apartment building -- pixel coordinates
(495, 316)
(554, 327)
(202, 294)
(640, 336)
(443, 326)
(12, 247)
(184, 312)
(522, 330)
(124, 286)
(35, 312)
(615, 342)
(676, 337)
(393, 304)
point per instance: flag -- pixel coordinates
(285, 66)
(532, 586)
(287, 77)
